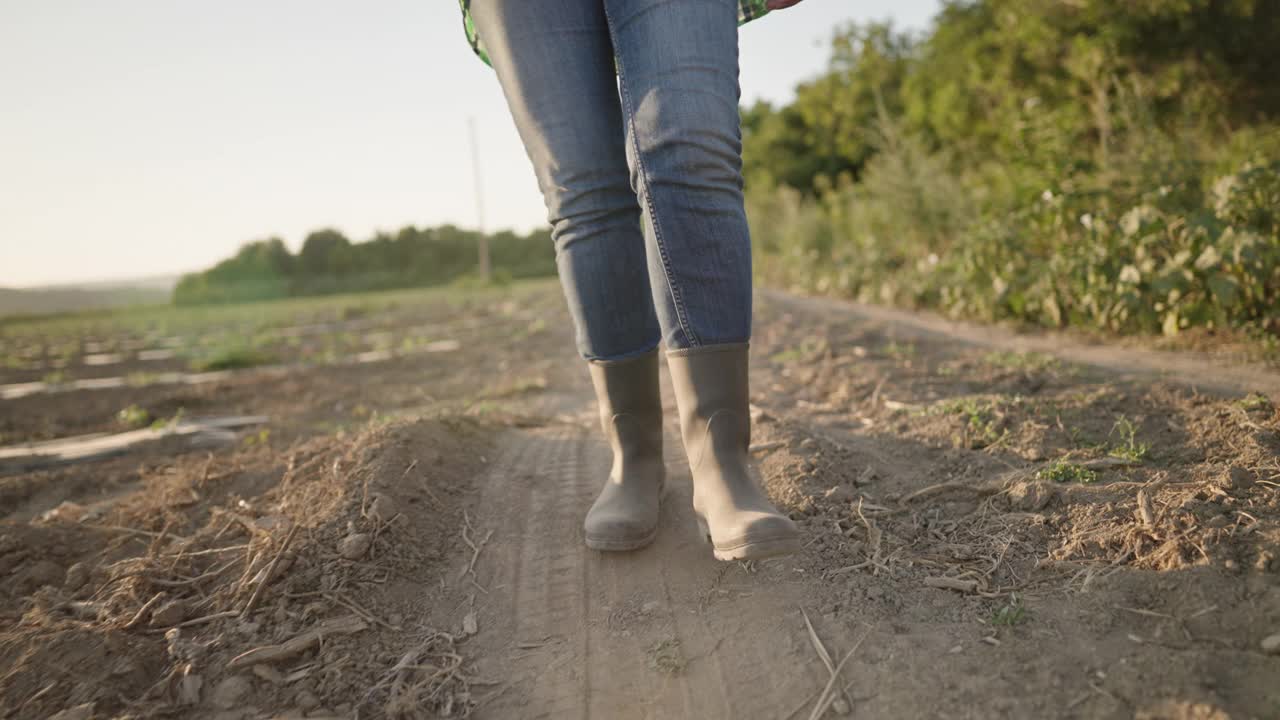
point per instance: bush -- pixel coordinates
(1158, 265)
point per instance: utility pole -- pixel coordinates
(483, 241)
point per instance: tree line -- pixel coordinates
(329, 262)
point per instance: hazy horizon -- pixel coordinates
(152, 139)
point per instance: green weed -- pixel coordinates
(1129, 447)
(133, 417)
(665, 657)
(900, 351)
(55, 378)
(1061, 471)
(1255, 401)
(980, 417)
(163, 423)
(1010, 614)
(259, 438)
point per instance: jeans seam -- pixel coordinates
(647, 196)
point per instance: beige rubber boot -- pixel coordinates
(625, 516)
(733, 512)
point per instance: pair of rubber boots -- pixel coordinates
(733, 513)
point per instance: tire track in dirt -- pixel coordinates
(660, 633)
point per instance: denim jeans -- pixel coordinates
(628, 110)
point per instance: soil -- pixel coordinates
(989, 533)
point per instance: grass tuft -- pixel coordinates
(1010, 614)
(134, 417)
(1062, 471)
(233, 358)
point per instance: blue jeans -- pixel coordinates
(628, 110)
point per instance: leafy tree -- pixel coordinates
(324, 251)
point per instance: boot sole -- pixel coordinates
(615, 545)
(750, 549)
(758, 550)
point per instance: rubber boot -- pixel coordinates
(733, 512)
(625, 516)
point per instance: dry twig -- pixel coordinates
(298, 644)
(271, 571)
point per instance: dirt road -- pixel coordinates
(988, 534)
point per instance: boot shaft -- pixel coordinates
(712, 392)
(630, 404)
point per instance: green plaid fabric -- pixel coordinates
(748, 10)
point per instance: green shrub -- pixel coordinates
(1207, 260)
(1063, 471)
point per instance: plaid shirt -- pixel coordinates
(748, 10)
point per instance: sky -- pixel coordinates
(151, 137)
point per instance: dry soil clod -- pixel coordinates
(1271, 644)
(354, 546)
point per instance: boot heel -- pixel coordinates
(705, 530)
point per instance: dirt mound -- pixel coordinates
(252, 585)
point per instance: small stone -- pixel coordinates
(231, 691)
(1271, 644)
(650, 606)
(469, 624)
(306, 701)
(808, 443)
(77, 575)
(353, 547)
(1239, 478)
(169, 614)
(1030, 496)
(396, 619)
(383, 508)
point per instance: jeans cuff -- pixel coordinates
(629, 357)
(703, 349)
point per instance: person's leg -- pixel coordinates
(554, 59)
(678, 66)
(678, 69)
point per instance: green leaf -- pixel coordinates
(1225, 289)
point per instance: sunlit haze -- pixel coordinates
(152, 137)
